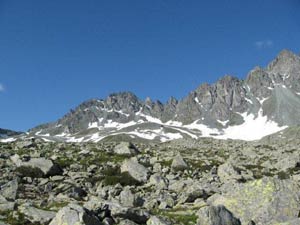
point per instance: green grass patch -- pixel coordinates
(178, 216)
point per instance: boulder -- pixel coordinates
(136, 215)
(288, 163)
(126, 148)
(75, 214)
(263, 200)
(178, 163)
(37, 167)
(77, 193)
(6, 205)
(216, 215)
(227, 172)
(127, 198)
(158, 181)
(135, 170)
(9, 190)
(35, 215)
(191, 193)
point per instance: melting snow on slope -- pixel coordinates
(206, 131)
(7, 140)
(252, 129)
(249, 100)
(262, 100)
(111, 124)
(223, 122)
(93, 125)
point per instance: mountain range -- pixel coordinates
(265, 102)
(4, 133)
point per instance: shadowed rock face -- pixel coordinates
(8, 133)
(273, 92)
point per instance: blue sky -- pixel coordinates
(56, 54)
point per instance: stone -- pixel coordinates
(9, 190)
(108, 221)
(219, 215)
(191, 193)
(135, 170)
(6, 205)
(127, 222)
(288, 163)
(216, 215)
(136, 215)
(178, 163)
(77, 193)
(227, 172)
(75, 214)
(127, 198)
(261, 200)
(35, 215)
(158, 181)
(25, 144)
(154, 220)
(126, 148)
(38, 167)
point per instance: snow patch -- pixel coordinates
(174, 123)
(224, 123)
(93, 125)
(262, 100)
(7, 140)
(252, 129)
(205, 130)
(249, 100)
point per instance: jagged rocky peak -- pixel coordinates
(286, 63)
(126, 101)
(259, 83)
(170, 110)
(172, 101)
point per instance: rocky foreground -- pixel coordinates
(204, 182)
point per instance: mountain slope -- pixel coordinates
(4, 133)
(266, 102)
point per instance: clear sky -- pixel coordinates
(54, 54)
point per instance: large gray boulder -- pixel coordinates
(6, 205)
(126, 148)
(35, 215)
(178, 163)
(216, 215)
(127, 198)
(37, 167)
(227, 172)
(137, 215)
(75, 215)
(135, 170)
(191, 193)
(263, 201)
(9, 190)
(158, 181)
